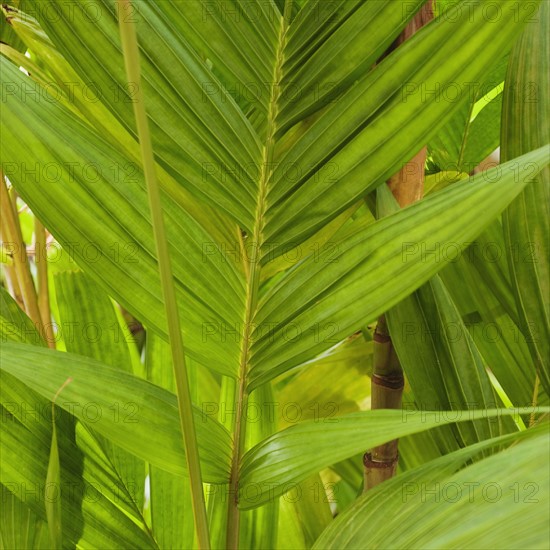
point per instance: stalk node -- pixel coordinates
(392, 381)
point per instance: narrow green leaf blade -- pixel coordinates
(526, 112)
(274, 466)
(170, 497)
(499, 502)
(381, 122)
(15, 325)
(97, 512)
(330, 295)
(139, 416)
(103, 195)
(20, 527)
(53, 498)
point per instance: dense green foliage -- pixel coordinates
(274, 126)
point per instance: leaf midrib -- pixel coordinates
(253, 270)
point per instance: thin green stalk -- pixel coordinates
(535, 400)
(131, 59)
(41, 263)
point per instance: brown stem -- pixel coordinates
(387, 380)
(9, 269)
(407, 185)
(13, 285)
(11, 231)
(387, 383)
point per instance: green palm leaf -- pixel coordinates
(525, 224)
(271, 121)
(138, 415)
(439, 508)
(274, 466)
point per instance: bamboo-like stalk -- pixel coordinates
(387, 379)
(12, 283)
(11, 276)
(387, 384)
(11, 232)
(131, 60)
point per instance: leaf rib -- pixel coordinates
(253, 281)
